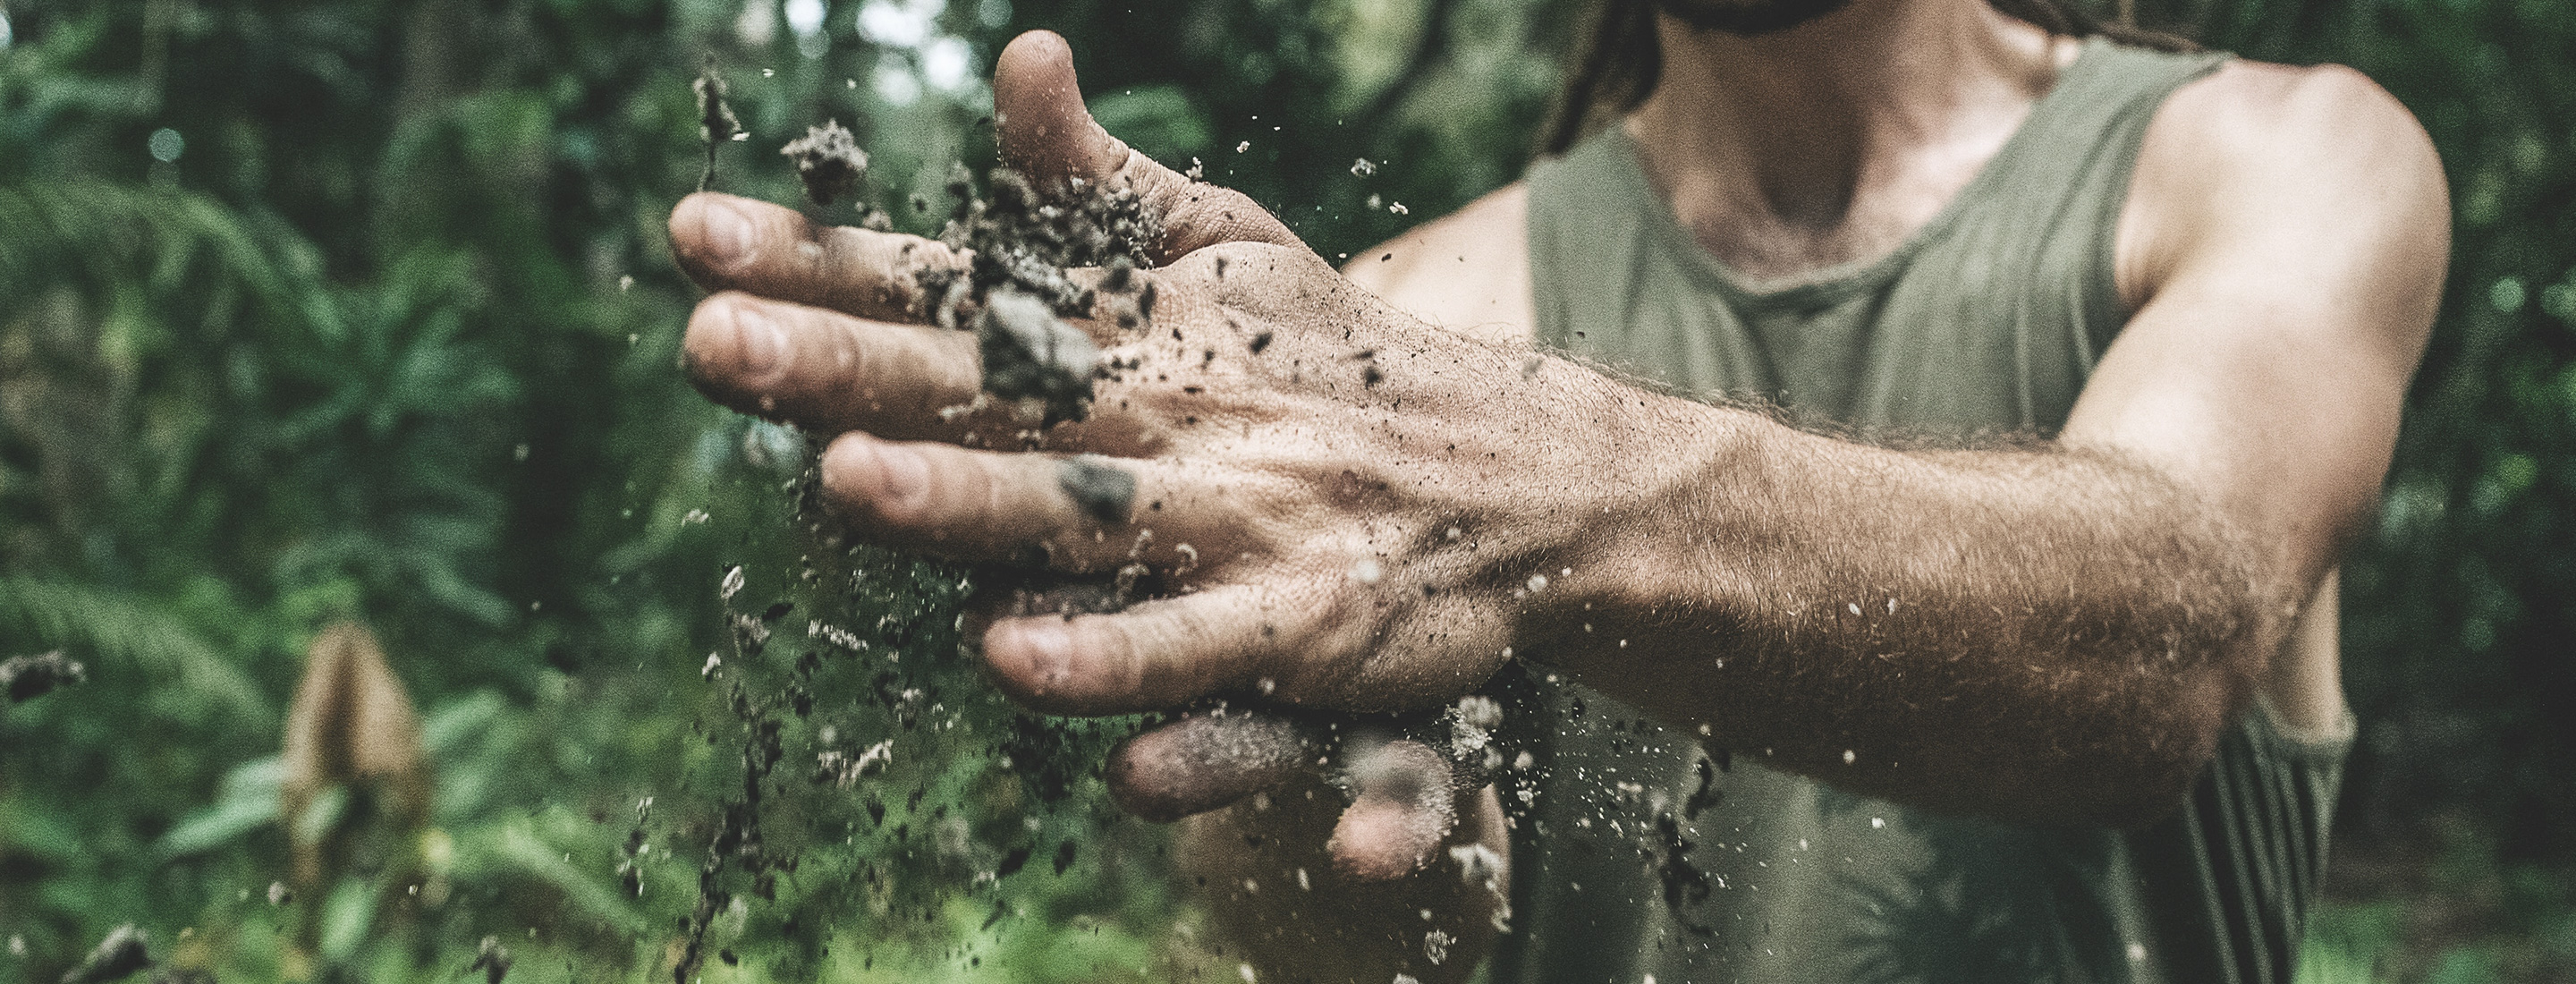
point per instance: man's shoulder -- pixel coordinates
(2251, 106)
(2262, 143)
(1467, 271)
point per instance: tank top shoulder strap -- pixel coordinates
(1591, 213)
(2077, 152)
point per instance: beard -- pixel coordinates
(1747, 17)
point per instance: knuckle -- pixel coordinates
(1195, 265)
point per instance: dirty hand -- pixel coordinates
(1343, 508)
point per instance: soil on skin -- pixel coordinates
(1104, 491)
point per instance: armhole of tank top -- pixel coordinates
(2102, 293)
(2289, 741)
(1547, 324)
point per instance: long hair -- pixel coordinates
(1616, 60)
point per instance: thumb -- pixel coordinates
(1047, 134)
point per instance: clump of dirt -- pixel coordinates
(828, 161)
(716, 122)
(492, 959)
(1022, 244)
(1032, 355)
(117, 957)
(1025, 240)
(26, 678)
(1468, 734)
(1105, 491)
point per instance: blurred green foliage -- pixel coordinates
(363, 310)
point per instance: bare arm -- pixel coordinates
(2054, 634)
(1371, 503)
(2059, 632)
(2116, 591)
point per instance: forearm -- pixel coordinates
(2043, 633)
(1280, 905)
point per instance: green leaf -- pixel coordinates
(250, 799)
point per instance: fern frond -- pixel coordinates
(112, 629)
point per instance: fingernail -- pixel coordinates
(902, 477)
(1050, 648)
(759, 342)
(728, 233)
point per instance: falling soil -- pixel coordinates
(828, 162)
(1015, 290)
(716, 122)
(26, 678)
(117, 957)
(1032, 355)
(492, 959)
(1027, 241)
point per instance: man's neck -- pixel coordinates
(1832, 140)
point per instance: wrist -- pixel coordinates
(1651, 564)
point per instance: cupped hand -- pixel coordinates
(1345, 509)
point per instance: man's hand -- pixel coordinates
(1347, 509)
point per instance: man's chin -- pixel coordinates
(1748, 17)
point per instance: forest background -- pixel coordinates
(363, 311)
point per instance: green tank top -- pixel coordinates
(1641, 857)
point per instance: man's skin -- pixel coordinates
(2053, 632)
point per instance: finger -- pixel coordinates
(1403, 808)
(1161, 653)
(1046, 133)
(1073, 514)
(726, 242)
(1209, 760)
(826, 371)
